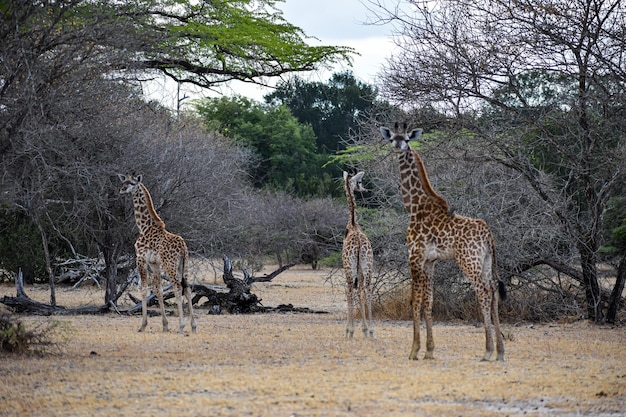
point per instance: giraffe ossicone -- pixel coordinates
(358, 262)
(436, 233)
(157, 250)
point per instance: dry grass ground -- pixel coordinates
(300, 365)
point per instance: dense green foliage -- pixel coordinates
(286, 157)
(332, 108)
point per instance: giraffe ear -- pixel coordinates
(359, 176)
(121, 177)
(386, 132)
(139, 178)
(415, 134)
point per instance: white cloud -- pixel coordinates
(332, 19)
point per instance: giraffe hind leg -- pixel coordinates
(496, 324)
(368, 306)
(145, 285)
(486, 300)
(194, 324)
(179, 303)
(362, 308)
(350, 300)
(159, 292)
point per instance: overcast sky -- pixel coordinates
(339, 23)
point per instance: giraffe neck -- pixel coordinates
(417, 192)
(145, 215)
(351, 203)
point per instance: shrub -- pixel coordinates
(16, 338)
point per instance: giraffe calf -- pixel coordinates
(157, 250)
(358, 262)
(435, 232)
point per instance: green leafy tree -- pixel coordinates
(332, 108)
(286, 157)
(207, 42)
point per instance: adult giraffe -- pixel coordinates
(157, 249)
(358, 261)
(436, 233)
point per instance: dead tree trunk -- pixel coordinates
(238, 299)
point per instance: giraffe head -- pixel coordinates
(399, 137)
(353, 181)
(130, 183)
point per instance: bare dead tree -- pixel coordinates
(540, 85)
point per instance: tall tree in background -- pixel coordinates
(331, 108)
(286, 157)
(542, 84)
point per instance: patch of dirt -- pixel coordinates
(299, 364)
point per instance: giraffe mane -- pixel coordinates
(151, 209)
(351, 203)
(427, 185)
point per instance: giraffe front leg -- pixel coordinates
(143, 276)
(416, 301)
(144, 306)
(159, 293)
(429, 272)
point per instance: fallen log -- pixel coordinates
(22, 303)
(234, 298)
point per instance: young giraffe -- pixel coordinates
(358, 262)
(157, 249)
(436, 233)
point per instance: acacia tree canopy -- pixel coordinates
(212, 42)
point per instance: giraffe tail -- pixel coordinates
(358, 271)
(501, 290)
(181, 272)
(494, 266)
